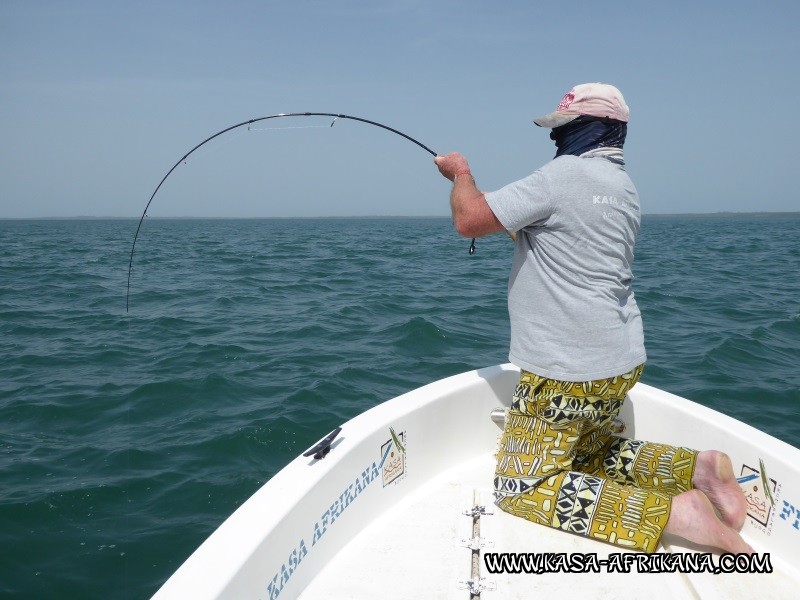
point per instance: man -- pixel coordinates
(576, 334)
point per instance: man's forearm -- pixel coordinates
(472, 216)
(463, 194)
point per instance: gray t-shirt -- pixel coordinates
(573, 313)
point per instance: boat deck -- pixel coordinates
(420, 550)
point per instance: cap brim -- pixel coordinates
(555, 119)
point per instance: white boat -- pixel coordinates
(401, 506)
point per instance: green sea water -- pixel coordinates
(127, 438)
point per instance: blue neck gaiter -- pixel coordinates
(588, 133)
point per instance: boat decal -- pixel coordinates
(360, 482)
(397, 440)
(791, 514)
(389, 469)
(760, 491)
(281, 578)
(765, 482)
(385, 449)
(393, 464)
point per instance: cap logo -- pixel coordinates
(566, 101)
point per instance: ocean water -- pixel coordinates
(127, 438)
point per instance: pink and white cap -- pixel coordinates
(593, 99)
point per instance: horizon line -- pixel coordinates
(210, 218)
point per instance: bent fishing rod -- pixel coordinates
(247, 123)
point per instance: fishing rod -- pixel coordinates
(249, 122)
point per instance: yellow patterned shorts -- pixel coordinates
(559, 465)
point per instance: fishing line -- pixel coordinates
(248, 123)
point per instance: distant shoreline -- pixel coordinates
(725, 214)
(149, 218)
(731, 215)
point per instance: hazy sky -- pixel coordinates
(99, 99)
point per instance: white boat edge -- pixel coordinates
(284, 535)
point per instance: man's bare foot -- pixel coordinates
(713, 475)
(694, 519)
